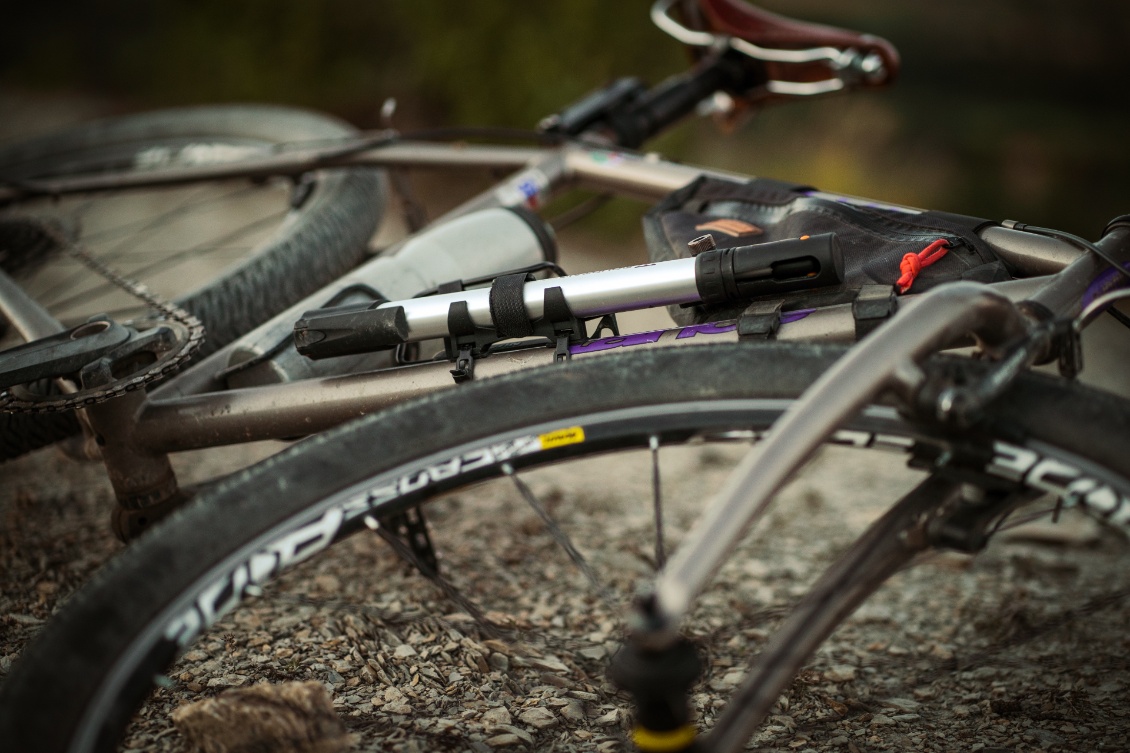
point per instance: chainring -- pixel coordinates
(186, 335)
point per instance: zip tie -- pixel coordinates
(912, 264)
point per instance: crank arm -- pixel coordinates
(62, 354)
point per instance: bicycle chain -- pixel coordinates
(162, 367)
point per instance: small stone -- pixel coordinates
(398, 707)
(839, 673)
(1047, 739)
(521, 733)
(902, 704)
(611, 717)
(230, 680)
(549, 663)
(881, 720)
(404, 651)
(499, 662)
(729, 680)
(573, 711)
(538, 717)
(584, 696)
(497, 716)
(502, 741)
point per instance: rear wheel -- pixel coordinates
(234, 253)
(184, 576)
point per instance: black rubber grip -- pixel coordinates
(349, 330)
(743, 272)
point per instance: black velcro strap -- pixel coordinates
(508, 307)
(760, 321)
(873, 305)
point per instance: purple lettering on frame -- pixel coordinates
(795, 316)
(710, 328)
(608, 343)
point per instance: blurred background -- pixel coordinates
(1006, 108)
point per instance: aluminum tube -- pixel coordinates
(939, 317)
(593, 294)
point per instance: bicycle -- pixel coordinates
(334, 487)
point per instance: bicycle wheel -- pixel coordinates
(150, 603)
(234, 253)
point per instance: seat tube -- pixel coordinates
(144, 482)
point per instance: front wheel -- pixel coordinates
(182, 579)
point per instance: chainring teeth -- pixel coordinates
(189, 339)
(189, 336)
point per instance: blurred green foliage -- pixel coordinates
(1006, 108)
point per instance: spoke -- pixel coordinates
(559, 535)
(657, 503)
(135, 235)
(449, 590)
(167, 262)
(189, 203)
(133, 231)
(141, 254)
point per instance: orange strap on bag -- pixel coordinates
(912, 264)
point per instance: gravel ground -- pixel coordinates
(1021, 648)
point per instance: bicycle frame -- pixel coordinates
(194, 411)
